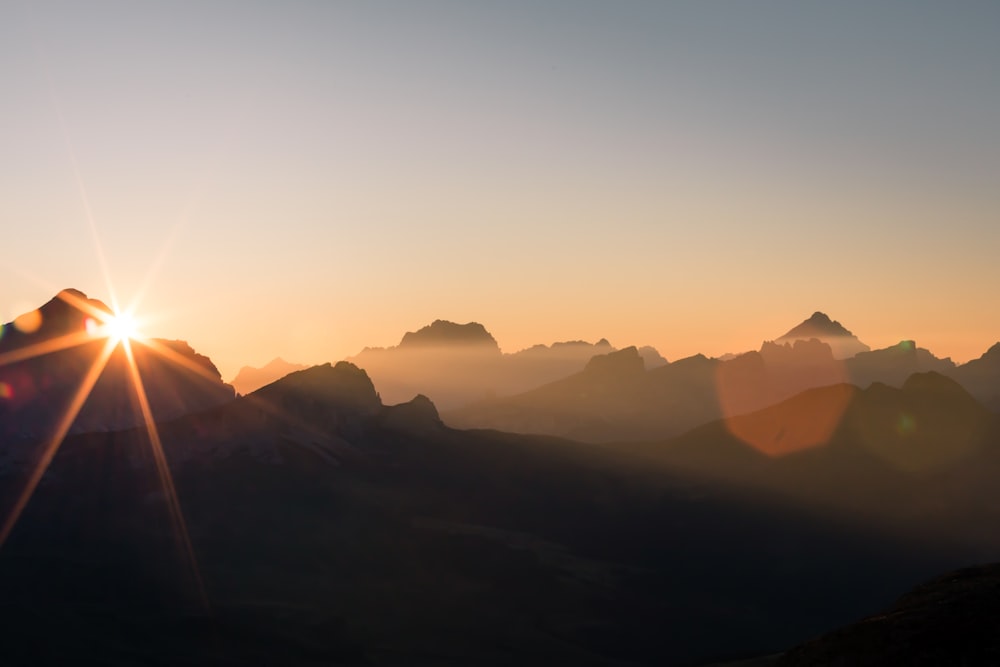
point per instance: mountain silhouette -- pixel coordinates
(624, 402)
(893, 365)
(612, 398)
(306, 500)
(458, 364)
(819, 326)
(42, 367)
(901, 451)
(250, 379)
(444, 333)
(981, 377)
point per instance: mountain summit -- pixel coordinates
(46, 354)
(843, 343)
(442, 332)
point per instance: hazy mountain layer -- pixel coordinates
(455, 364)
(662, 402)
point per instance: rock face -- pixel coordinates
(843, 343)
(46, 355)
(250, 379)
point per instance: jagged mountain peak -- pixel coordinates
(842, 342)
(445, 333)
(819, 323)
(626, 361)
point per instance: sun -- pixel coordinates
(121, 327)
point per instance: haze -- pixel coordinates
(305, 179)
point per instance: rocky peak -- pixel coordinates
(624, 362)
(442, 333)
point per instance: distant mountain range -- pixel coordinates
(455, 364)
(628, 403)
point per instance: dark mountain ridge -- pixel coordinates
(43, 366)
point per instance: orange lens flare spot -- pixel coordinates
(806, 421)
(29, 322)
(6, 391)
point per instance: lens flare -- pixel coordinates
(121, 327)
(29, 322)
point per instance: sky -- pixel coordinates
(305, 179)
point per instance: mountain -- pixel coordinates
(981, 377)
(609, 399)
(250, 379)
(819, 326)
(897, 452)
(42, 367)
(651, 357)
(457, 364)
(893, 365)
(442, 333)
(627, 403)
(448, 362)
(323, 527)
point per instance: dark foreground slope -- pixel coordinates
(950, 620)
(330, 529)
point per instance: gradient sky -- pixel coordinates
(314, 177)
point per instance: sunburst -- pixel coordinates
(119, 330)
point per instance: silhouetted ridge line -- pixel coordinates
(443, 332)
(843, 343)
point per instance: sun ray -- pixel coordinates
(85, 306)
(85, 199)
(49, 346)
(52, 446)
(163, 470)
